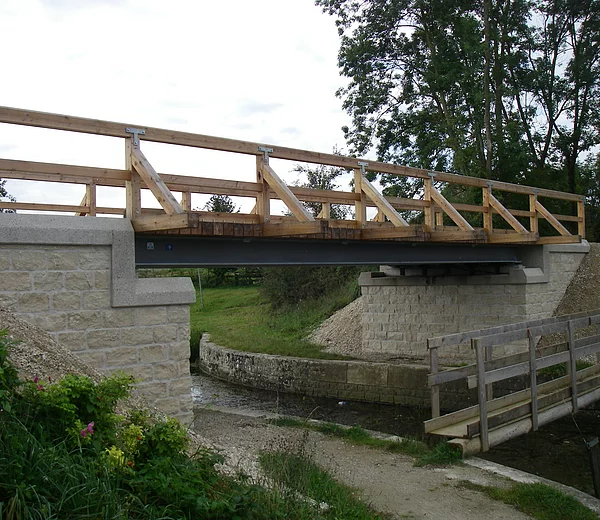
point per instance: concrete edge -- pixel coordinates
(127, 289)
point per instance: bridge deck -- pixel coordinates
(536, 217)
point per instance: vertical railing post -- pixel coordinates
(488, 225)
(90, 195)
(133, 206)
(533, 215)
(481, 394)
(533, 380)
(581, 216)
(435, 389)
(186, 200)
(360, 206)
(263, 200)
(429, 209)
(572, 365)
(489, 390)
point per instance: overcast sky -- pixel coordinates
(260, 70)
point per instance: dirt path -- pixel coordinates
(387, 480)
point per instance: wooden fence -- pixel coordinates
(440, 219)
(527, 409)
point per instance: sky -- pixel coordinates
(260, 70)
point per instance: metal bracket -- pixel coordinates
(432, 175)
(136, 133)
(363, 166)
(266, 151)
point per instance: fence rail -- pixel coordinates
(440, 219)
(534, 406)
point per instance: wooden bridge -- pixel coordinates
(440, 219)
(497, 418)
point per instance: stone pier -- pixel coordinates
(404, 307)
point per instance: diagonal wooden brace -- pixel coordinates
(285, 194)
(154, 183)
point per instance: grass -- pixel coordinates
(441, 454)
(560, 370)
(539, 501)
(298, 474)
(238, 318)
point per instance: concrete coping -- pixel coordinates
(127, 289)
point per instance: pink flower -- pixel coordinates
(40, 388)
(84, 433)
(36, 379)
(89, 430)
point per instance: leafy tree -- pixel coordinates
(505, 89)
(322, 178)
(5, 196)
(220, 204)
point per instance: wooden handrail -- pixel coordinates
(159, 135)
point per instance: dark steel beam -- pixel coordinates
(177, 251)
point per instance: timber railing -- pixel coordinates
(527, 409)
(439, 219)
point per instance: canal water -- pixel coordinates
(557, 451)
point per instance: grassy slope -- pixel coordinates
(237, 318)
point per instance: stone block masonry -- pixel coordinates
(75, 278)
(403, 308)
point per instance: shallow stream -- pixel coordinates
(557, 451)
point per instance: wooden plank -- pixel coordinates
(35, 206)
(360, 206)
(325, 212)
(458, 236)
(294, 228)
(240, 218)
(160, 222)
(263, 199)
(382, 203)
(82, 203)
(284, 193)
(571, 239)
(154, 182)
(115, 129)
(551, 219)
(506, 215)
(481, 395)
(456, 217)
(390, 232)
(513, 238)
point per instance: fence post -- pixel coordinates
(572, 366)
(533, 380)
(481, 394)
(435, 389)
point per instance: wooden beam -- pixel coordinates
(459, 236)
(186, 200)
(456, 217)
(571, 239)
(581, 217)
(488, 221)
(513, 238)
(160, 222)
(506, 215)
(325, 212)
(429, 209)
(114, 129)
(551, 219)
(133, 194)
(83, 203)
(155, 184)
(90, 194)
(295, 228)
(391, 232)
(284, 193)
(382, 203)
(360, 206)
(263, 199)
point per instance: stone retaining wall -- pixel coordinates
(75, 278)
(352, 380)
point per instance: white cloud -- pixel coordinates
(262, 71)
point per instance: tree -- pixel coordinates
(504, 89)
(322, 178)
(220, 204)
(5, 196)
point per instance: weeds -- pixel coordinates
(441, 454)
(539, 501)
